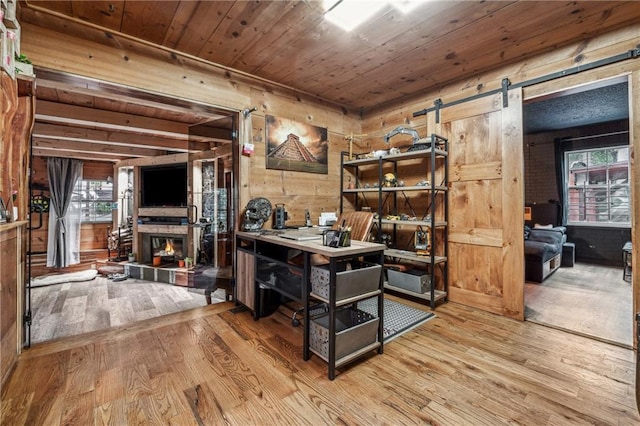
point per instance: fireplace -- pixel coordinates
(169, 248)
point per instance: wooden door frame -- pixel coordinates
(131, 92)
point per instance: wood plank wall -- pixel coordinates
(296, 190)
(10, 172)
(180, 77)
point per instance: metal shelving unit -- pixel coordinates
(434, 156)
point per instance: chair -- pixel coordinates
(211, 279)
(360, 224)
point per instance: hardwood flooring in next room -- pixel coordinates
(592, 300)
(216, 365)
(73, 308)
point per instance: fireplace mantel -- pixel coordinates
(163, 229)
(163, 211)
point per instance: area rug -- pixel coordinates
(87, 275)
(398, 317)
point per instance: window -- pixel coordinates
(597, 187)
(94, 200)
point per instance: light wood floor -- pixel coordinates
(214, 365)
(69, 309)
(592, 300)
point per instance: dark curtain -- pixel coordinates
(559, 148)
(63, 175)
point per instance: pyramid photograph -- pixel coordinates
(295, 146)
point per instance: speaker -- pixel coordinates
(281, 217)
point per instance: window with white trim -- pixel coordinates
(597, 187)
(94, 198)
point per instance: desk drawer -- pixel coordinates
(355, 329)
(352, 279)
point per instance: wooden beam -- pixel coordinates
(61, 152)
(40, 152)
(165, 159)
(90, 146)
(81, 116)
(56, 80)
(211, 132)
(79, 134)
(218, 152)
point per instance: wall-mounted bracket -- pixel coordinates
(247, 111)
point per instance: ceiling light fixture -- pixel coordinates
(348, 14)
(406, 6)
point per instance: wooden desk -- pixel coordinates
(262, 260)
(313, 246)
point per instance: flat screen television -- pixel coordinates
(163, 186)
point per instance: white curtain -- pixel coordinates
(63, 245)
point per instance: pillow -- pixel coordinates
(537, 225)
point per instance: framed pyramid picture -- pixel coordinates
(296, 146)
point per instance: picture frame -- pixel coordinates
(296, 146)
(3, 212)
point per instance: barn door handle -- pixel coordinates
(193, 219)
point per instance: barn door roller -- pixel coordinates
(505, 92)
(438, 105)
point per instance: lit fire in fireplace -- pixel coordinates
(168, 248)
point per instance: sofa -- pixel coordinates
(543, 251)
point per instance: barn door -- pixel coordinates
(486, 201)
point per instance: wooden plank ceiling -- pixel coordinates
(289, 43)
(80, 118)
